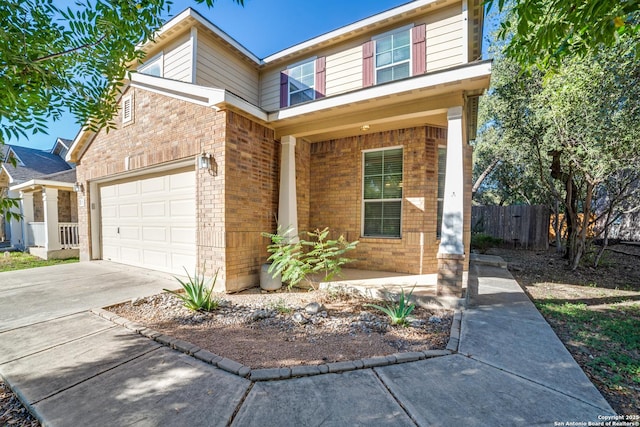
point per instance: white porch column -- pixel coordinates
(50, 207)
(26, 206)
(288, 202)
(451, 252)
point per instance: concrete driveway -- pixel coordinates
(40, 294)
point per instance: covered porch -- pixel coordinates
(401, 148)
(49, 218)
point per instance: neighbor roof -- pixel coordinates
(33, 164)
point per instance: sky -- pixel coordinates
(262, 26)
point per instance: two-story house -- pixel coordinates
(364, 129)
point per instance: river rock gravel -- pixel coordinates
(284, 329)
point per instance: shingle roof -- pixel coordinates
(36, 163)
(64, 176)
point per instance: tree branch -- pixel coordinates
(68, 51)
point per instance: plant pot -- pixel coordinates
(267, 282)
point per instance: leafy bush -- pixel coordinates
(294, 261)
(197, 295)
(398, 311)
(482, 242)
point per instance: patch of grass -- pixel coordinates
(280, 306)
(483, 242)
(10, 261)
(612, 337)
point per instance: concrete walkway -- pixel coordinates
(74, 368)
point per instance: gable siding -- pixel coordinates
(219, 67)
(178, 61)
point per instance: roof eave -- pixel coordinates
(41, 183)
(478, 70)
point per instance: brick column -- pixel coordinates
(288, 204)
(451, 251)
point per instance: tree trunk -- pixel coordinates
(483, 176)
(582, 236)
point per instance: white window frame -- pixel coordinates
(313, 87)
(401, 199)
(375, 51)
(127, 118)
(154, 60)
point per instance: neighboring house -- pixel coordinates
(364, 129)
(44, 182)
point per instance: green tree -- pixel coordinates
(53, 59)
(545, 31)
(577, 125)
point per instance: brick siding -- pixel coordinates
(336, 197)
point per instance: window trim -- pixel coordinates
(407, 28)
(401, 199)
(159, 58)
(313, 88)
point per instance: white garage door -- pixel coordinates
(150, 222)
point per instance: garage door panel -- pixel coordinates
(153, 185)
(128, 211)
(110, 252)
(183, 235)
(109, 212)
(130, 255)
(154, 234)
(154, 210)
(150, 222)
(129, 233)
(182, 181)
(155, 258)
(128, 189)
(184, 207)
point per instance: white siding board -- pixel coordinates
(219, 67)
(177, 60)
(344, 71)
(270, 92)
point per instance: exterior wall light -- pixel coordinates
(207, 162)
(78, 187)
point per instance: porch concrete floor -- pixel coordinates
(387, 284)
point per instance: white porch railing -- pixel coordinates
(36, 234)
(69, 237)
(68, 234)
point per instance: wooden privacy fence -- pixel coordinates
(522, 226)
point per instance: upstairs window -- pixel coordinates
(393, 56)
(382, 193)
(153, 67)
(302, 82)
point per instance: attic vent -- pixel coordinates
(127, 109)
